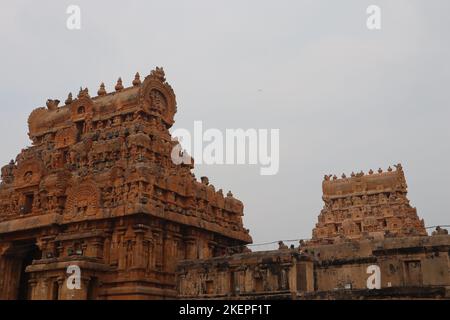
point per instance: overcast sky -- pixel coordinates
(345, 98)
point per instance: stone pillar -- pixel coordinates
(169, 253)
(149, 256)
(191, 248)
(305, 276)
(10, 266)
(139, 256)
(157, 249)
(211, 247)
(95, 248)
(34, 295)
(4, 275)
(121, 249)
(47, 246)
(107, 249)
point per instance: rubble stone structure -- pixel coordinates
(410, 268)
(98, 192)
(98, 189)
(371, 205)
(258, 275)
(367, 224)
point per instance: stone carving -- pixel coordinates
(440, 231)
(375, 204)
(99, 182)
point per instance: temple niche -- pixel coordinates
(373, 205)
(98, 189)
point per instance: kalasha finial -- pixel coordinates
(159, 74)
(101, 91)
(119, 85)
(205, 180)
(334, 177)
(137, 79)
(390, 169)
(353, 174)
(69, 99)
(83, 92)
(229, 194)
(380, 170)
(370, 171)
(343, 176)
(52, 104)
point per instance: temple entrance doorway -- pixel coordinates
(18, 257)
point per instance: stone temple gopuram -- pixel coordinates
(369, 243)
(362, 205)
(98, 192)
(98, 189)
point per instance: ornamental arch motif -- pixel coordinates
(83, 200)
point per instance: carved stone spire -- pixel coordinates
(119, 85)
(83, 93)
(137, 79)
(52, 104)
(159, 74)
(101, 91)
(69, 99)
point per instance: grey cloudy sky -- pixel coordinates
(344, 98)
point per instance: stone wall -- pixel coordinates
(410, 267)
(246, 276)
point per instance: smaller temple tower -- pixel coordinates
(366, 205)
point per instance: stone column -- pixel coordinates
(149, 259)
(211, 247)
(121, 249)
(305, 276)
(191, 248)
(139, 261)
(169, 253)
(157, 249)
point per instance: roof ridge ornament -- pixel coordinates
(69, 99)
(52, 104)
(137, 80)
(83, 93)
(119, 85)
(158, 73)
(101, 91)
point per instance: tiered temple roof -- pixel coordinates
(366, 205)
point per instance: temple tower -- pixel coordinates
(366, 205)
(98, 190)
